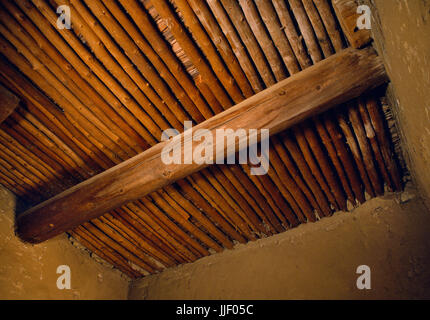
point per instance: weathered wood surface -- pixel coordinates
(8, 103)
(331, 82)
(346, 12)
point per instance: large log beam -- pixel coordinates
(328, 83)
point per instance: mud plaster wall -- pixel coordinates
(401, 29)
(29, 272)
(314, 261)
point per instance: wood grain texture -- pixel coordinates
(8, 103)
(346, 11)
(301, 96)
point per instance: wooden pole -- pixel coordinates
(8, 102)
(371, 136)
(330, 23)
(248, 38)
(345, 159)
(291, 33)
(306, 30)
(324, 163)
(365, 149)
(219, 40)
(355, 150)
(209, 74)
(310, 92)
(318, 27)
(257, 26)
(223, 20)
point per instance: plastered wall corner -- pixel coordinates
(401, 33)
(30, 271)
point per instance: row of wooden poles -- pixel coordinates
(117, 83)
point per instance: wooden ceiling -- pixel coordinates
(100, 93)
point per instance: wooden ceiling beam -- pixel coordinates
(8, 103)
(333, 81)
(346, 12)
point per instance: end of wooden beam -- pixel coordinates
(346, 11)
